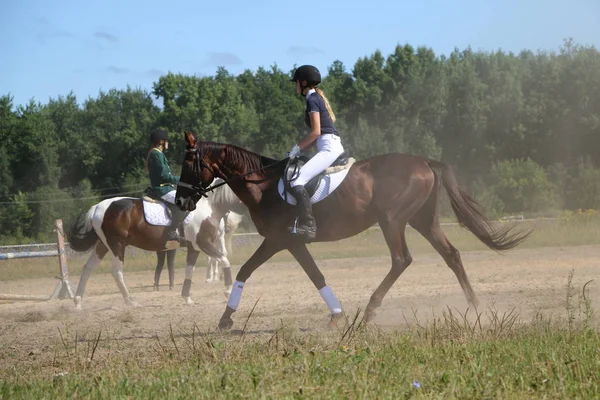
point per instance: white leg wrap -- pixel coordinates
(332, 302)
(236, 295)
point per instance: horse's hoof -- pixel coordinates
(131, 303)
(155, 288)
(77, 301)
(337, 321)
(225, 324)
(227, 291)
(188, 301)
(370, 314)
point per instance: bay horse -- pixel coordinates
(392, 189)
(118, 222)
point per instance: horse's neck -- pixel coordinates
(251, 187)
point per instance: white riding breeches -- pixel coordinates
(329, 149)
(169, 196)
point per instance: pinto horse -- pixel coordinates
(229, 224)
(391, 189)
(115, 223)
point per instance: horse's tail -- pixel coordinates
(82, 235)
(470, 214)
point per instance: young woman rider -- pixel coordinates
(319, 117)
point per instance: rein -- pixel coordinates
(199, 164)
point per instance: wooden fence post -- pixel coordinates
(63, 290)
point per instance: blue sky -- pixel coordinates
(50, 47)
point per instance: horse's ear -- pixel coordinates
(190, 139)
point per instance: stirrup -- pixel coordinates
(304, 232)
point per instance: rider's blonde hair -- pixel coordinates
(327, 105)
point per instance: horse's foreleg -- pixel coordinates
(217, 255)
(210, 275)
(95, 258)
(223, 268)
(307, 262)
(265, 251)
(117, 273)
(190, 265)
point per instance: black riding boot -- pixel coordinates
(305, 225)
(177, 217)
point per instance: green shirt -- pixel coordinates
(161, 179)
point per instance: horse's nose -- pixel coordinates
(185, 204)
(182, 203)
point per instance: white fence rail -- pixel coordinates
(63, 289)
(4, 249)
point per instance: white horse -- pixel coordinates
(229, 224)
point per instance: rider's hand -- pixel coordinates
(295, 152)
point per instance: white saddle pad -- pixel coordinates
(328, 184)
(156, 214)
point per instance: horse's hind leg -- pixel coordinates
(95, 258)
(394, 234)
(307, 262)
(190, 265)
(171, 265)
(451, 255)
(425, 221)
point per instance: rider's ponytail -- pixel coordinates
(146, 162)
(327, 105)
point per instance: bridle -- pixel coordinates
(200, 164)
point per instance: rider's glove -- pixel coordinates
(295, 152)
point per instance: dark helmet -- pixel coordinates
(308, 73)
(158, 135)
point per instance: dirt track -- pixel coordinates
(530, 280)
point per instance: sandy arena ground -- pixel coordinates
(530, 280)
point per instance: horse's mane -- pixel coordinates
(237, 157)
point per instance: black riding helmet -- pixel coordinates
(157, 135)
(308, 73)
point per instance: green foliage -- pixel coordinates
(16, 217)
(522, 186)
(479, 111)
(585, 188)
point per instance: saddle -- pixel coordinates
(293, 168)
(169, 207)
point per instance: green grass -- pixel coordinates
(487, 355)
(550, 233)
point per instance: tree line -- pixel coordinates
(522, 130)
